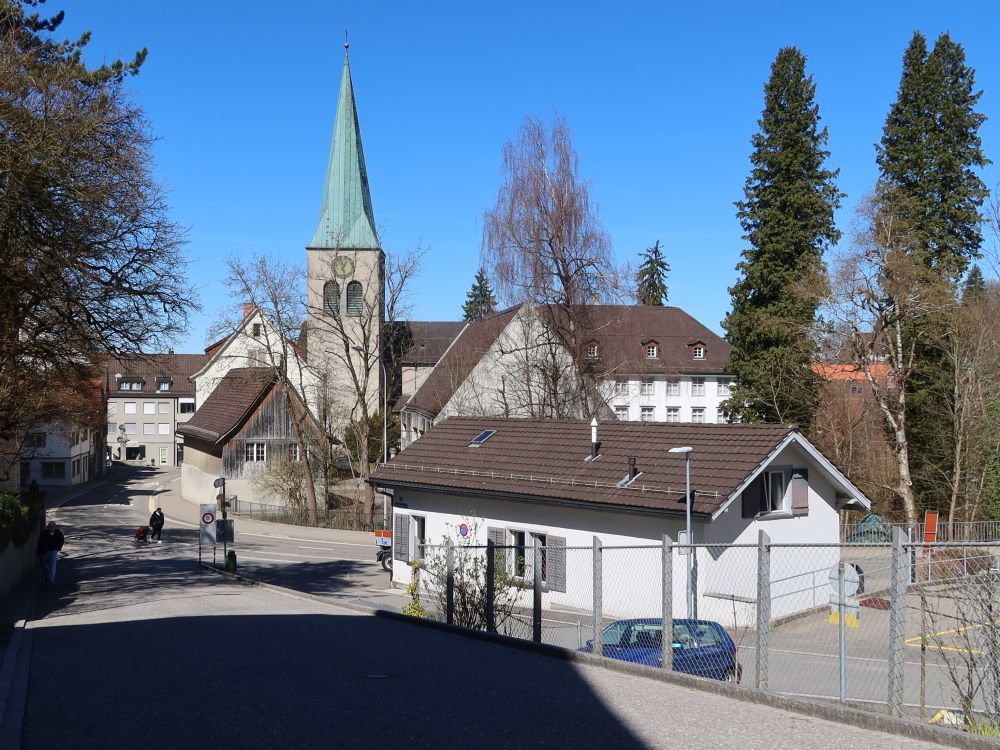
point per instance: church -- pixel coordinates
(265, 401)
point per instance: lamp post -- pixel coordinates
(687, 450)
(385, 423)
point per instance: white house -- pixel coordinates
(527, 482)
(653, 364)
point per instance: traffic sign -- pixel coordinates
(206, 528)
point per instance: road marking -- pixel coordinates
(265, 559)
(915, 641)
(301, 539)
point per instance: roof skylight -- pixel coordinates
(481, 438)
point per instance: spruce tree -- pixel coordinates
(928, 160)
(787, 217)
(651, 280)
(479, 302)
(974, 285)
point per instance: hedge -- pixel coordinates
(20, 514)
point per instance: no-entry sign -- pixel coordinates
(207, 526)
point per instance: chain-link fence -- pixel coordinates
(896, 628)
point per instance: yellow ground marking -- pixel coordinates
(916, 640)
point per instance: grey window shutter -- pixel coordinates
(499, 539)
(753, 497)
(800, 492)
(401, 538)
(555, 549)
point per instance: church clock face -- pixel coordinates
(343, 266)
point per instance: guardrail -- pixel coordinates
(351, 519)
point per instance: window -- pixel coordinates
(112, 428)
(541, 540)
(698, 352)
(255, 452)
(355, 299)
(592, 351)
(774, 490)
(651, 351)
(255, 330)
(621, 413)
(130, 407)
(331, 298)
(481, 438)
(53, 470)
(523, 562)
(34, 440)
(720, 416)
(646, 414)
(857, 389)
(163, 407)
(148, 428)
(646, 389)
(723, 387)
(163, 429)
(163, 384)
(419, 535)
(76, 467)
(131, 384)
(673, 387)
(698, 415)
(130, 428)
(621, 387)
(697, 386)
(293, 452)
(148, 407)
(673, 414)
(520, 553)
(186, 407)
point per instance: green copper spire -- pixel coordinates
(346, 219)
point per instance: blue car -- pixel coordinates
(701, 647)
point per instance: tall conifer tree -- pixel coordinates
(479, 301)
(651, 280)
(787, 216)
(928, 160)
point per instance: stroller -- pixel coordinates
(142, 534)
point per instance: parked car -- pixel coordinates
(701, 647)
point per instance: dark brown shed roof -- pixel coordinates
(456, 364)
(177, 367)
(232, 401)
(429, 339)
(545, 459)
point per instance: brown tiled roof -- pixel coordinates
(149, 367)
(429, 339)
(621, 332)
(456, 364)
(544, 459)
(228, 406)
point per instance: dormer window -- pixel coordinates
(163, 384)
(652, 350)
(130, 384)
(592, 351)
(698, 351)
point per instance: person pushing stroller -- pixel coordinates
(156, 525)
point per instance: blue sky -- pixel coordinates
(662, 102)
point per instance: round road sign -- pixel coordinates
(851, 579)
(208, 518)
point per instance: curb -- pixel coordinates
(862, 720)
(15, 659)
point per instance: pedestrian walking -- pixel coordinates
(49, 544)
(156, 524)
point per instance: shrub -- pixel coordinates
(19, 516)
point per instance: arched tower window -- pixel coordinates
(331, 298)
(355, 299)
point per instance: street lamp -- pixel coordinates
(687, 450)
(385, 423)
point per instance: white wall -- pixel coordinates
(630, 397)
(64, 444)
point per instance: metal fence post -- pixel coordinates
(536, 594)
(598, 596)
(897, 622)
(842, 629)
(450, 583)
(491, 572)
(667, 638)
(763, 607)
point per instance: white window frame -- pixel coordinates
(592, 351)
(130, 407)
(673, 386)
(698, 415)
(254, 452)
(697, 386)
(149, 407)
(647, 414)
(621, 413)
(724, 387)
(131, 428)
(673, 414)
(162, 385)
(776, 505)
(293, 452)
(148, 428)
(416, 540)
(163, 428)
(647, 387)
(164, 407)
(698, 352)
(621, 387)
(720, 416)
(651, 351)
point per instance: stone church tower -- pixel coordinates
(346, 273)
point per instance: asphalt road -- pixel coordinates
(138, 646)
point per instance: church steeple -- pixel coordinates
(346, 219)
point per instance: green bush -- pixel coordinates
(20, 514)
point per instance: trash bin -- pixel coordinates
(231, 561)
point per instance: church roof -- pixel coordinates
(346, 219)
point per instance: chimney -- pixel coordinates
(595, 445)
(633, 472)
(248, 309)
